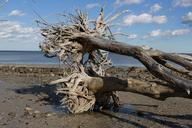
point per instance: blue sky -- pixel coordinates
(161, 24)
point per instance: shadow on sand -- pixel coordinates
(45, 93)
(49, 97)
(156, 118)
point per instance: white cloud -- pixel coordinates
(15, 30)
(92, 5)
(4, 35)
(144, 18)
(182, 3)
(132, 36)
(168, 33)
(187, 19)
(128, 2)
(179, 32)
(16, 13)
(155, 33)
(156, 7)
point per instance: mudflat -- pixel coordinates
(26, 101)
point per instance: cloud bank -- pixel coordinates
(143, 19)
(128, 2)
(16, 13)
(15, 30)
(168, 33)
(182, 3)
(187, 19)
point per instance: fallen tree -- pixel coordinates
(87, 86)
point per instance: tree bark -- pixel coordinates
(81, 91)
(143, 56)
(109, 84)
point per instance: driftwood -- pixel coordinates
(87, 86)
(149, 59)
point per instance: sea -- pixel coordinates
(37, 57)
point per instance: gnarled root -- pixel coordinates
(76, 96)
(81, 92)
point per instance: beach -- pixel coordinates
(27, 101)
(95, 64)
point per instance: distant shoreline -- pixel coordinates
(46, 69)
(188, 53)
(38, 58)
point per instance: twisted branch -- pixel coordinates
(87, 86)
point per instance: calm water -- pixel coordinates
(36, 57)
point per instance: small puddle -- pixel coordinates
(58, 109)
(124, 111)
(127, 109)
(130, 110)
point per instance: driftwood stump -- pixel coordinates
(87, 85)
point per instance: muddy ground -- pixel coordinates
(25, 102)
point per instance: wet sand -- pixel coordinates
(25, 102)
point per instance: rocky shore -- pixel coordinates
(27, 101)
(30, 69)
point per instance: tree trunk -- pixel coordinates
(80, 90)
(145, 57)
(109, 84)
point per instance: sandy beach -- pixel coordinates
(26, 101)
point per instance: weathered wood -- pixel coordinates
(182, 60)
(108, 84)
(173, 67)
(82, 90)
(137, 52)
(178, 60)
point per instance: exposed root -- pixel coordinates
(76, 96)
(59, 43)
(77, 37)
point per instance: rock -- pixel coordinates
(12, 114)
(28, 111)
(52, 74)
(49, 115)
(36, 112)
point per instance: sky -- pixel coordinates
(161, 24)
